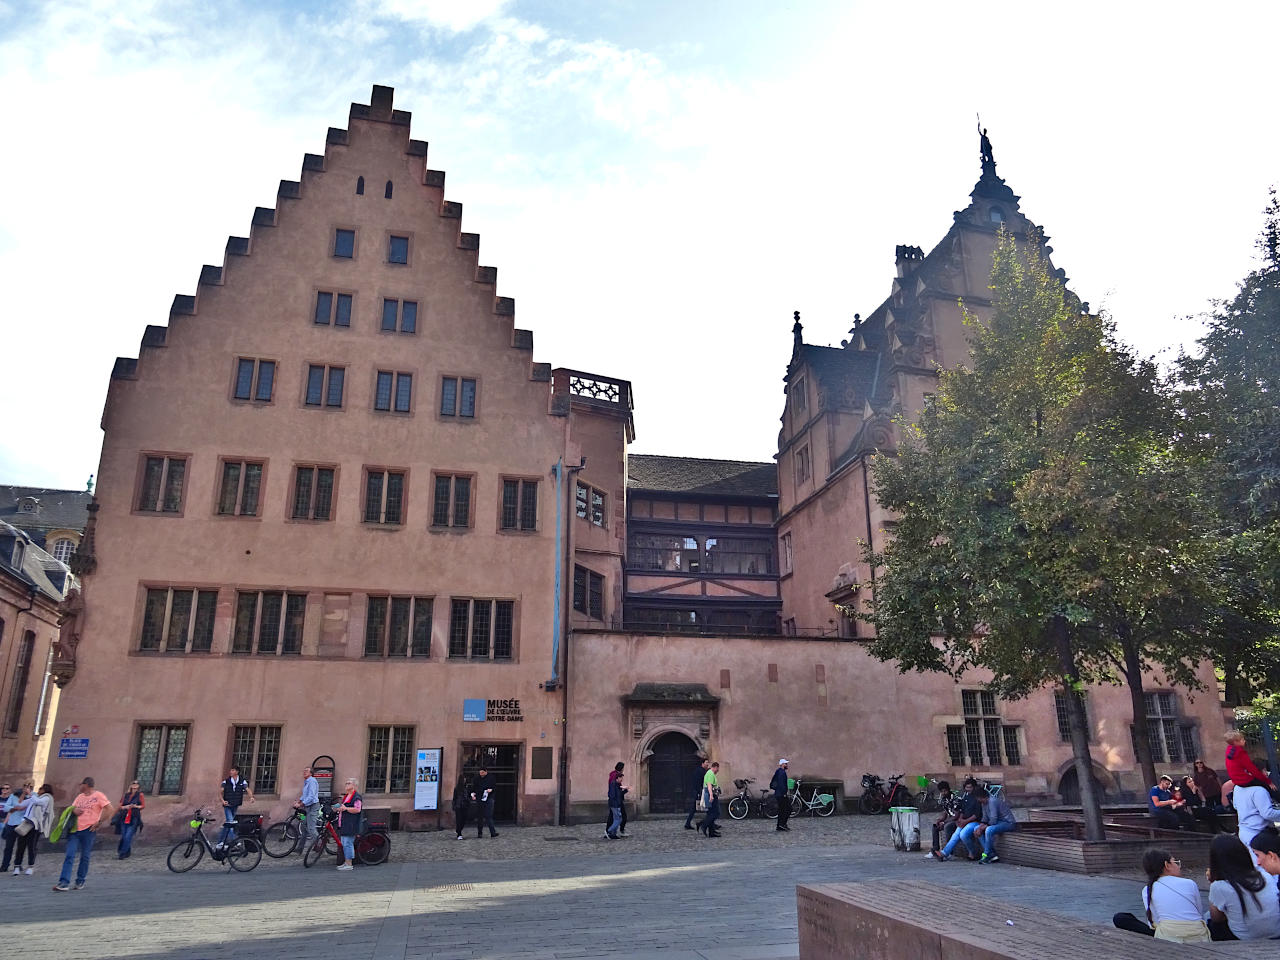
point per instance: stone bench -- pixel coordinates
(1060, 845)
(914, 920)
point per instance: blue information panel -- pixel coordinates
(471, 710)
(73, 748)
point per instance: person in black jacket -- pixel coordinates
(234, 789)
(615, 805)
(461, 802)
(695, 791)
(779, 786)
(482, 792)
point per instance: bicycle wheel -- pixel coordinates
(798, 806)
(185, 855)
(373, 848)
(313, 852)
(243, 855)
(769, 807)
(921, 801)
(738, 808)
(281, 839)
(828, 808)
(871, 803)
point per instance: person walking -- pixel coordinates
(711, 799)
(461, 802)
(39, 811)
(130, 819)
(616, 774)
(779, 786)
(615, 805)
(482, 792)
(234, 789)
(349, 823)
(695, 791)
(87, 812)
(14, 800)
(309, 803)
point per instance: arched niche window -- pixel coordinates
(388, 192)
(63, 548)
(996, 215)
(359, 186)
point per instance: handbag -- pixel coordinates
(25, 827)
(117, 818)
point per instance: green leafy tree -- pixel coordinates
(1232, 402)
(1048, 530)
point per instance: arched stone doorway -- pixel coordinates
(672, 763)
(1069, 788)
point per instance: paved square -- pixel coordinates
(664, 892)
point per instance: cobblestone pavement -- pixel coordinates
(663, 892)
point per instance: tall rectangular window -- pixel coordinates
(389, 766)
(987, 737)
(798, 399)
(255, 379)
(178, 620)
(1170, 735)
(161, 758)
(787, 557)
(589, 504)
(384, 497)
(269, 622)
(520, 505)
(398, 627)
(1064, 722)
(324, 385)
(588, 592)
(21, 676)
(393, 391)
(458, 397)
(162, 484)
(481, 629)
(397, 249)
(312, 492)
(255, 752)
(333, 308)
(239, 489)
(803, 468)
(401, 315)
(451, 503)
(344, 244)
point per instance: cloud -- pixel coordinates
(457, 16)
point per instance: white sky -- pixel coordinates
(659, 183)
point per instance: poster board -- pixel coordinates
(426, 782)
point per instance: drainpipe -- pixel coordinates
(558, 472)
(866, 494)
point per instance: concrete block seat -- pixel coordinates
(914, 920)
(1060, 845)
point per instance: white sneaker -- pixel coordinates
(28, 871)
(346, 866)
(17, 871)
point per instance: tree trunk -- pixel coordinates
(1090, 803)
(1138, 704)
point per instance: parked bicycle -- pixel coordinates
(823, 804)
(372, 846)
(240, 853)
(287, 836)
(928, 800)
(766, 805)
(877, 796)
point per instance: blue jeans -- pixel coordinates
(348, 848)
(79, 842)
(228, 824)
(963, 835)
(125, 847)
(989, 836)
(616, 814)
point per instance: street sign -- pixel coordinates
(73, 748)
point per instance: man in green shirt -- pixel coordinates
(711, 799)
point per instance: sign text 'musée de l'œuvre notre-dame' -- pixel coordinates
(504, 710)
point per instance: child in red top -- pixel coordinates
(1241, 769)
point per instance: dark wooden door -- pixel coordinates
(503, 761)
(671, 771)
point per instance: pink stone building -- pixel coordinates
(342, 513)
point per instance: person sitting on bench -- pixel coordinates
(1169, 812)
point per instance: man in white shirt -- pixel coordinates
(1254, 811)
(309, 802)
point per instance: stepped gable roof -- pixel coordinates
(694, 475)
(58, 509)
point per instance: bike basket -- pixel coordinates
(195, 824)
(826, 798)
(248, 825)
(740, 784)
(922, 782)
(868, 780)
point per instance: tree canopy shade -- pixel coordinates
(1049, 530)
(1232, 403)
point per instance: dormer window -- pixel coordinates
(19, 553)
(996, 215)
(28, 505)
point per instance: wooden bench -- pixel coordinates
(914, 920)
(1060, 845)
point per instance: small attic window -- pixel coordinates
(996, 215)
(28, 505)
(359, 186)
(19, 553)
(387, 194)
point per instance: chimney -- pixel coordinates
(908, 258)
